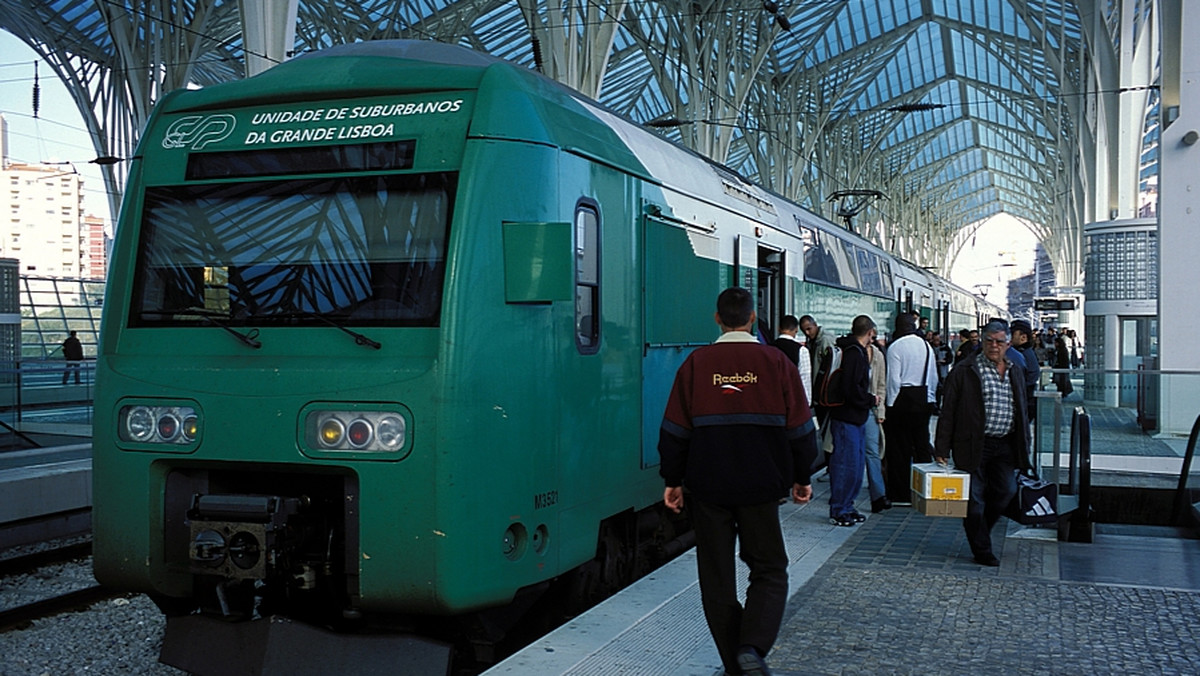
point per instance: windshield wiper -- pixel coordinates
(359, 339)
(248, 338)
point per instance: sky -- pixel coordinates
(1002, 249)
(58, 133)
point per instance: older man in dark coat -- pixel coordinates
(984, 427)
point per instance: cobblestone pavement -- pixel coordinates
(902, 596)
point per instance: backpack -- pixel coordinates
(828, 381)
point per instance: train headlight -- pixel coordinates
(139, 423)
(173, 425)
(390, 432)
(361, 431)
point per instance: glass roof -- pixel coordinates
(952, 107)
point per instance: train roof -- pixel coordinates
(513, 103)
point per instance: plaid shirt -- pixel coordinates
(997, 397)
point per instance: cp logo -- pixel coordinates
(198, 131)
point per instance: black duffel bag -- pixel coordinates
(1036, 501)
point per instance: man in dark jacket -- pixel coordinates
(983, 426)
(73, 353)
(848, 424)
(738, 433)
(1022, 339)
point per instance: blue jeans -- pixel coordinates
(875, 483)
(846, 466)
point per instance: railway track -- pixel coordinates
(26, 563)
(29, 564)
(22, 616)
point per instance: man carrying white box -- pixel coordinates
(983, 426)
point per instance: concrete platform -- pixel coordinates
(45, 493)
(900, 594)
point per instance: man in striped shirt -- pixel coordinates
(983, 426)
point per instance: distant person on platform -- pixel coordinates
(876, 486)
(819, 341)
(912, 382)
(984, 428)
(969, 346)
(789, 342)
(944, 356)
(738, 434)
(1022, 339)
(73, 353)
(1062, 362)
(848, 424)
(819, 344)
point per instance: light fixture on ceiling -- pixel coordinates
(666, 123)
(915, 107)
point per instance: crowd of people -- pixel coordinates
(751, 418)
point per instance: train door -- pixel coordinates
(771, 280)
(681, 278)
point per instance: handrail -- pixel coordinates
(1181, 491)
(1071, 488)
(1085, 463)
(19, 433)
(1080, 452)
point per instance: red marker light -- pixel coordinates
(168, 427)
(359, 433)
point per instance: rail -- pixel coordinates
(1075, 497)
(38, 395)
(1182, 498)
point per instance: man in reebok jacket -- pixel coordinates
(738, 433)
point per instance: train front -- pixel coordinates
(270, 349)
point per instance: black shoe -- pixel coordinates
(988, 559)
(842, 520)
(858, 518)
(881, 504)
(752, 663)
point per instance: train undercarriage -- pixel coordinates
(272, 593)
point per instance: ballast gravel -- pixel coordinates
(117, 636)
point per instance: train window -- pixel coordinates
(827, 259)
(587, 277)
(364, 250)
(819, 265)
(868, 270)
(885, 276)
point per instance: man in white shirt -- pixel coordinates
(912, 382)
(789, 342)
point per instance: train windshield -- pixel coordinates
(358, 250)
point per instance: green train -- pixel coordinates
(390, 330)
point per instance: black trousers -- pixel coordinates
(756, 529)
(907, 430)
(993, 485)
